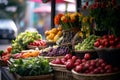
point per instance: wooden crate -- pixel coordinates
(39, 77)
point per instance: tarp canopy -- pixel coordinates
(57, 1)
(41, 9)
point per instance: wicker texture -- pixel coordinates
(110, 55)
(52, 58)
(61, 73)
(40, 77)
(108, 76)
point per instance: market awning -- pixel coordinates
(62, 8)
(41, 9)
(57, 1)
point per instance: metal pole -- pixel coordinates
(78, 5)
(53, 9)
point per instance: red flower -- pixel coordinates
(113, 2)
(84, 7)
(57, 19)
(86, 3)
(96, 0)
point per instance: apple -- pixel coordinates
(87, 56)
(69, 65)
(79, 68)
(68, 56)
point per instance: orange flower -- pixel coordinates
(64, 19)
(57, 19)
(72, 18)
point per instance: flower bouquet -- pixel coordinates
(68, 21)
(106, 15)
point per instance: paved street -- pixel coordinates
(4, 44)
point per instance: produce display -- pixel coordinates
(85, 65)
(72, 48)
(26, 54)
(87, 44)
(37, 44)
(23, 39)
(55, 51)
(54, 34)
(5, 55)
(30, 66)
(70, 61)
(97, 66)
(107, 41)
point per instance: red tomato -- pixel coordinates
(105, 36)
(5, 58)
(101, 46)
(111, 37)
(87, 56)
(111, 42)
(96, 44)
(9, 49)
(106, 44)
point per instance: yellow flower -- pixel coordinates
(84, 28)
(68, 14)
(91, 19)
(80, 14)
(85, 19)
(72, 18)
(64, 19)
(81, 34)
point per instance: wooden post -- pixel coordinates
(53, 10)
(78, 5)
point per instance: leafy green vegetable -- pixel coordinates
(87, 44)
(30, 66)
(23, 39)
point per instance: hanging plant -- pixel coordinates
(45, 1)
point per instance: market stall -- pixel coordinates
(81, 47)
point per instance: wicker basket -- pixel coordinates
(50, 43)
(110, 55)
(52, 58)
(34, 47)
(81, 54)
(40, 77)
(61, 73)
(108, 76)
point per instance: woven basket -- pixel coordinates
(61, 73)
(110, 55)
(52, 58)
(76, 39)
(40, 77)
(81, 54)
(49, 43)
(34, 47)
(108, 76)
